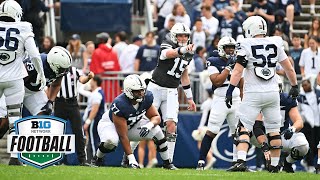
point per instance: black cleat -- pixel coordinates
(287, 167)
(97, 161)
(318, 169)
(200, 165)
(15, 162)
(273, 169)
(134, 166)
(169, 166)
(125, 161)
(239, 166)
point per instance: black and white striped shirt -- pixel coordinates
(69, 84)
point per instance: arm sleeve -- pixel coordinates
(34, 54)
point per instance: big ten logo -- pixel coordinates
(40, 124)
(222, 147)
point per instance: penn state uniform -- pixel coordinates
(35, 99)
(165, 81)
(298, 139)
(219, 112)
(230, 28)
(122, 107)
(261, 91)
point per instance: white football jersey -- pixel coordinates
(262, 55)
(15, 38)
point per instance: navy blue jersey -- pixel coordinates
(220, 64)
(286, 104)
(230, 28)
(267, 8)
(30, 80)
(122, 107)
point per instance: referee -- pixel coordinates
(66, 107)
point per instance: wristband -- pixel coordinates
(88, 121)
(187, 91)
(179, 52)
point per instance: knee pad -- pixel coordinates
(161, 144)
(298, 153)
(258, 129)
(240, 133)
(275, 137)
(107, 147)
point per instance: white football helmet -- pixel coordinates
(131, 83)
(225, 41)
(254, 25)
(59, 60)
(179, 28)
(11, 9)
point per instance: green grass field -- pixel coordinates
(107, 173)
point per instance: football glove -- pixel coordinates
(228, 101)
(294, 92)
(230, 66)
(47, 109)
(288, 133)
(133, 162)
(145, 129)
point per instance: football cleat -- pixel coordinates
(124, 161)
(87, 164)
(287, 167)
(97, 161)
(15, 162)
(200, 165)
(318, 169)
(239, 166)
(169, 166)
(273, 169)
(134, 166)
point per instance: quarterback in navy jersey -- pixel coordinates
(293, 142)
(131, 117)
(55, 65)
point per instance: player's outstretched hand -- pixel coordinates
(228, 101)
(190, 48)
(192, 106)
(294, 92)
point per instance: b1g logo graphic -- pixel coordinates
(40, 141)
(222, 147)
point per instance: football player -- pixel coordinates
(259, 55)
(219, 69)
(124, 121)
(16, 40)
(175, 55)
(55, 65)
(293, 141)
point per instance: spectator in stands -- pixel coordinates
(310, 59)
(147, 55)
(46, 45)
(179, 14)
(90, 47)
(163, 9)
(76, 49)
(280, 22)
(162, 34)
(229, 27)
(198, 36)
(212, 49)
(128, 55)
(295, 52)
(218, 8)
(308, 101)
(262, 8)
(312, 7)
(121, 44)
(239, 14)
(199, 59)
(105, 59)
(210, 23)
(313, 31)
(278, 32)
(291, 8)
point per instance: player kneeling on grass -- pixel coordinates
(294, 142)
(124, 121)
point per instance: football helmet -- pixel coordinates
(226, 41)
(59, 60)
(179, 28)
(11, 8)
(254, 25)
(132, 83)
